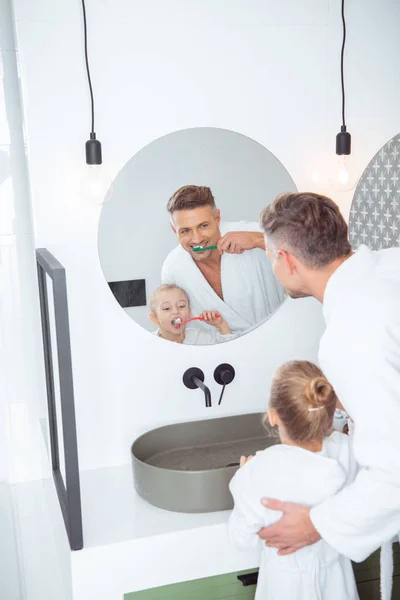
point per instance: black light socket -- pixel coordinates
(343, 142)
(93, 151)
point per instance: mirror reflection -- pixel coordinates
(179, 239)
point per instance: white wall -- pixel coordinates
(35, 561)
(269, 70)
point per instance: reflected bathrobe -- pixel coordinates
(360, 356)
(203, 337)
(250, 290)
(290, 473)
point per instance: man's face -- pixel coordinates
(197, 227)
(285, 269)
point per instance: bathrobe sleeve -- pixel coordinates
(366, 376)
(168, 268)
(207, 336)
(248, 515)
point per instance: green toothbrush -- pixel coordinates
(201, 249)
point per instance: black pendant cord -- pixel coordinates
(87, 62)
(342, 67)
(92, 146)
(343, 138)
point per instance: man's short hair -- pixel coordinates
(308, 225)
(189, 197)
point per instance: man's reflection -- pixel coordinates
(236, 278)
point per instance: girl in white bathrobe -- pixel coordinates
(311, 464)
(170, 309)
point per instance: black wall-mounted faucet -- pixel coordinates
(194, 378)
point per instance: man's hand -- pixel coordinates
(293, 531)
(236, 242)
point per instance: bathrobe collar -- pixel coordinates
(353, 269)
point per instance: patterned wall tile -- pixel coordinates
(375, 210)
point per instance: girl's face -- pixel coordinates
(170, 305)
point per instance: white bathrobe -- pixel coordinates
(360, 356)
(250, 290)
(203, 337)
(290, 473)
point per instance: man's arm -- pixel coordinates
(361, 517)
(366, 376)
(293, 531)
(242, 236)
(236, 242)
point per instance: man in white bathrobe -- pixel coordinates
(236, 279)
(307, 243)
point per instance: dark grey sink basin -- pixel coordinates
(187, 467)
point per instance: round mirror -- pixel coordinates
(179, 238)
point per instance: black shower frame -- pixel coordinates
(68, 492)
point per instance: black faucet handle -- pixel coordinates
(224, 374)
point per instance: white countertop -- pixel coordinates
(130, 545)
(113, 512)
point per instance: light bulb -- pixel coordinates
(97, 185)
(343, 176)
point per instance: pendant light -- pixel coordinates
(95, 179)
(343, 177)
(92, 146)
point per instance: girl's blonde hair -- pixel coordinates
(165, 287)
(304, 401)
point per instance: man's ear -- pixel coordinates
(289, 260)
(172, 226)
(153, 318)
(272, 417)
(218, 216)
